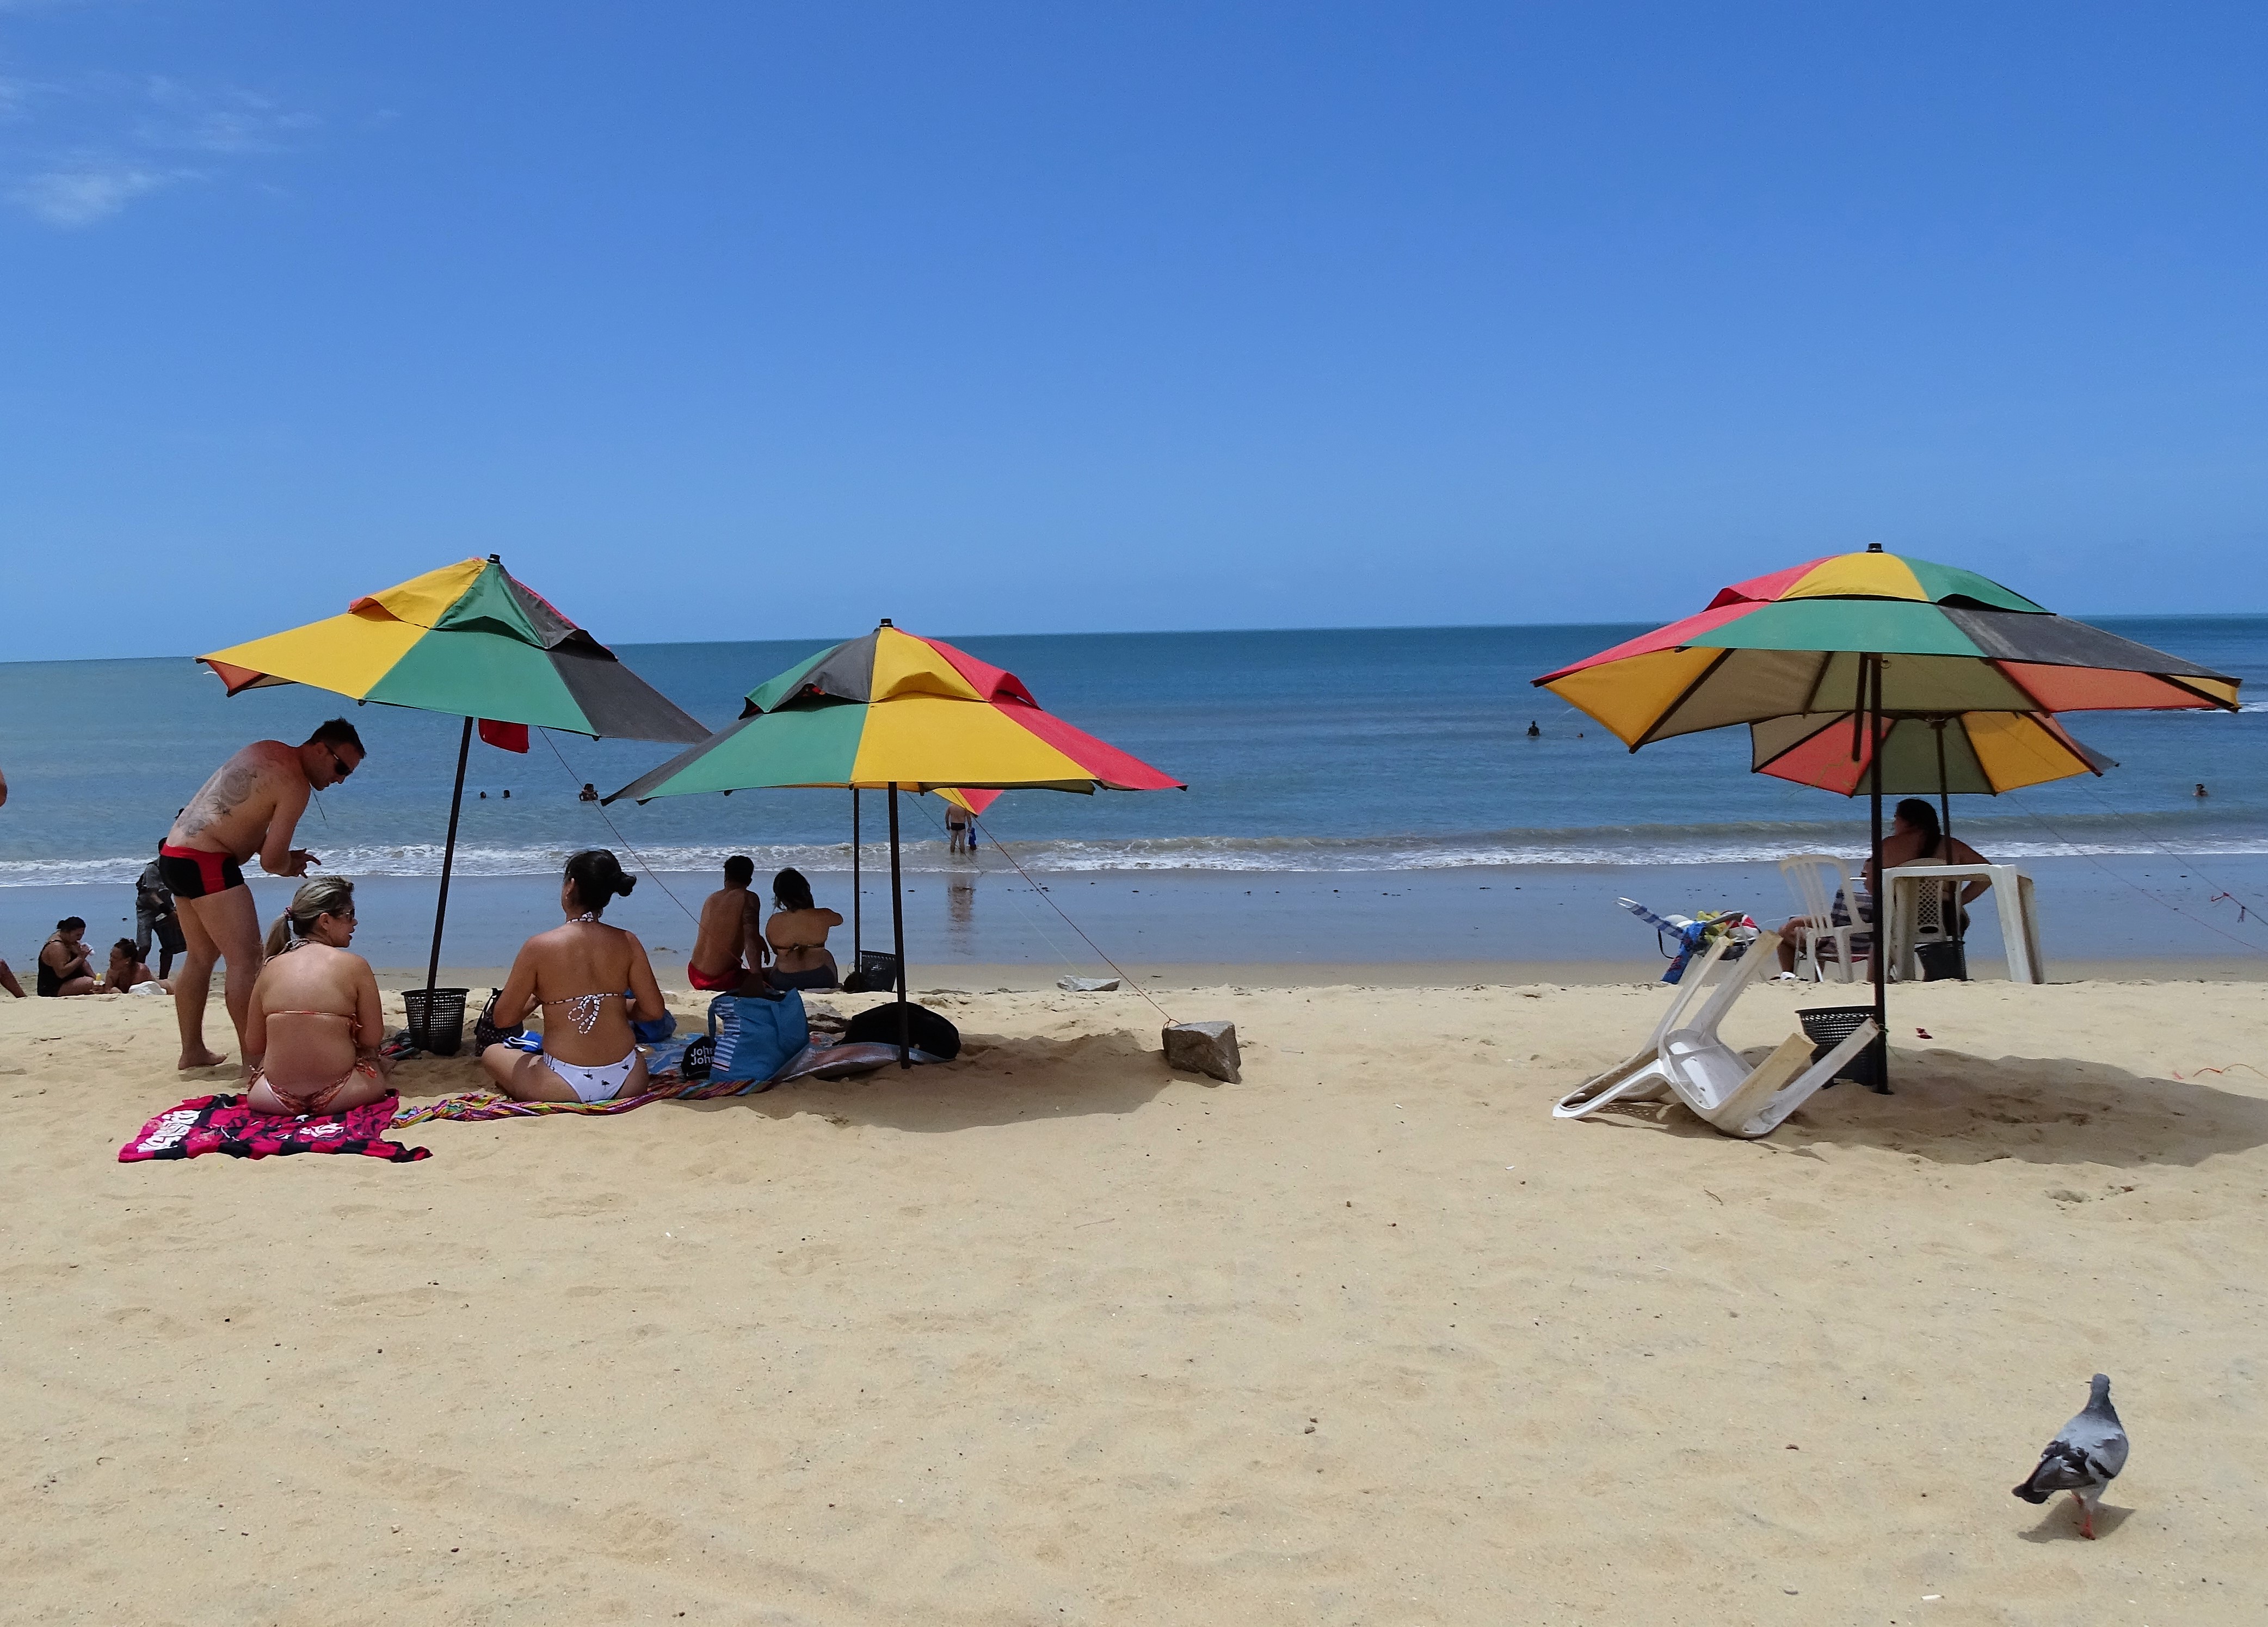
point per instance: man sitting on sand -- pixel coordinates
(252, 804)
(65, 965)
(730, 951)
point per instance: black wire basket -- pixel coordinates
(436, 1018)
(1828, 1027)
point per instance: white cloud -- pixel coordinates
(81, 195)
(113, 139)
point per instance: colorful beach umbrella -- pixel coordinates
(1965, 754)
(1882, 639)
(895, 711)
(1803, 640)
(471, 641)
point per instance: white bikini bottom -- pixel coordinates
(593, 1084)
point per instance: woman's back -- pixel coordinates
(311, 977)
(799, 937)
(581, 972)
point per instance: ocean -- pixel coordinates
(1363, 752)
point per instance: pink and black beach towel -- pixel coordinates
(223, 1124)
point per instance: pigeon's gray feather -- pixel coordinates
(2086, 1453)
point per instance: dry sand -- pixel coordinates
(1054, 1335)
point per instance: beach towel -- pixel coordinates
(223, 1124)
(480, 1106)
(822, 1061)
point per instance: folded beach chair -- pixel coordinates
(1686, 1059)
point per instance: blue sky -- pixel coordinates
(741, 319)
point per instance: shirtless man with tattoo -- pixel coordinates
(252, 805)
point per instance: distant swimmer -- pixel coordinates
(1533, 733)
(590, 792)
(251, 805)
(2201, 790)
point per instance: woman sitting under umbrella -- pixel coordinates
(798, 934)
(592, 981)
(1915, 838)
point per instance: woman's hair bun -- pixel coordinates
(596, 876)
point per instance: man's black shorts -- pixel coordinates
(192, 872)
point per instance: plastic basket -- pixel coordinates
(1828, 1027)
(878, 970)
(436, 1018)
(1946, 960)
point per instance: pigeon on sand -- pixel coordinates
(2085, 1456)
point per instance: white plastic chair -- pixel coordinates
(1816, 877)
(1686, 1059)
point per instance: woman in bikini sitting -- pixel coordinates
(592, 981)
(315, 1024)
(798, 934)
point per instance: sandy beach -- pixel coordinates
(1054, 1334)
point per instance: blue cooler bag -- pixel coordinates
(755, 1037)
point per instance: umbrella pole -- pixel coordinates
(1881, 891)
(898, 933)
(449, 863)
(1944, 790)
(857, 898)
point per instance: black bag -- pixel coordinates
(694, 1064)
(876, 973)
(485, 1032)
(878, 1025)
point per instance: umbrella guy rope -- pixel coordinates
(1002, 848)
(2199, 920)
(637, 857)
(1030, 920)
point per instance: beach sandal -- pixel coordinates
(397, 1047)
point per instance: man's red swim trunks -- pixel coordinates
(192, 872)
(723, 982)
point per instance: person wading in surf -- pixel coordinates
(252, 804)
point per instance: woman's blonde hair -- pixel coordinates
(325, 896)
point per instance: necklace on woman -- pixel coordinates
(588, 914)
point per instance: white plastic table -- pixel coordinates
(2012, 892)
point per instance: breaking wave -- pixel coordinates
(2017, 838)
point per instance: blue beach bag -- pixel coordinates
(755, 1037)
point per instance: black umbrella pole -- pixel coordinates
(1944, 789)
(1881, 894)
(449, 863)
(898, 934)
(857, 898)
